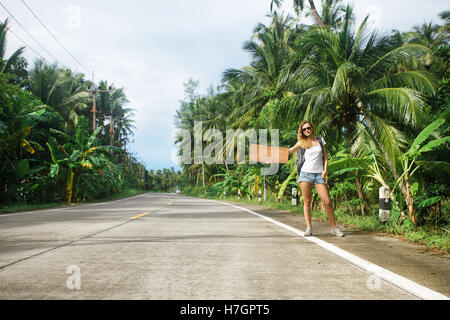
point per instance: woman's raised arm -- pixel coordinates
(294, 148)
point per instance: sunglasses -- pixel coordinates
(307, 128)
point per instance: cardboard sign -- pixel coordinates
(268, 154)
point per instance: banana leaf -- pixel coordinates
(22, 168)
(414, 151)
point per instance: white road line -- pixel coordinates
(389, 276)
(69, 207)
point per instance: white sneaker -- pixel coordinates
(308, 232)
(336, 232)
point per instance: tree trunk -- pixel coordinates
(69, 185)
(348, 204)
(410, 200)
(74, 185)
(360, 195)
(203, 174)
(196, 180)
(407, 194)
(316, 14)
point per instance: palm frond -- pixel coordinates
(405, 104)
(399, 53)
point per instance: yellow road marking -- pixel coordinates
(140, 216)
(147, 213)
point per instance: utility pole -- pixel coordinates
(94, 110)
(111, 128)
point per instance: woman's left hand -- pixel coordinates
(324, 174)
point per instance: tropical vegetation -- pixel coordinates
(49, 150)
(380, 100)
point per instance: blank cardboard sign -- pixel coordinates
(268, 154)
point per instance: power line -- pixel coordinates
(17, 21)
(26, 44)
(53, 36)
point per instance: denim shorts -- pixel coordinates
(314, 178)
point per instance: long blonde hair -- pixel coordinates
(305, 142)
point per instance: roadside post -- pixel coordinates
(294, 196)
(385, 204)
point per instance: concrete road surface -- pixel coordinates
(168, 246)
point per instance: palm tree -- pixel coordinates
(355, 90)
(351, 82)
(445, 15)
(266, 80)
(429, 35)
(333, 13)
(15, 64)
(111, 104)
(299, 6)
(61, 89)
(190, 111)
(125, 126)
(212, 110)
(118, 101)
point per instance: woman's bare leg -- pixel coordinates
(322, 190)
(307, 195)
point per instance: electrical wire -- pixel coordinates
(40, 45)
(26, 44)
(53, 36)
(31, 36)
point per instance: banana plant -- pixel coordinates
(75, 156)
(19, 114)
(408, 162)
(342, 163)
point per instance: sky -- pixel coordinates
(150, 48)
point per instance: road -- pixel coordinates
(168, 246)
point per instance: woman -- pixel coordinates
(313, 171)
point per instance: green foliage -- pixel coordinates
(20, 112)
(22, 168)
(381, 102)
(415, 150)
(47, 150)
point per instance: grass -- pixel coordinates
(32, 207)
(437, 239)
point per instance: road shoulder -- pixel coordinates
(408, 260)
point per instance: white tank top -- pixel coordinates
(314, 159)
